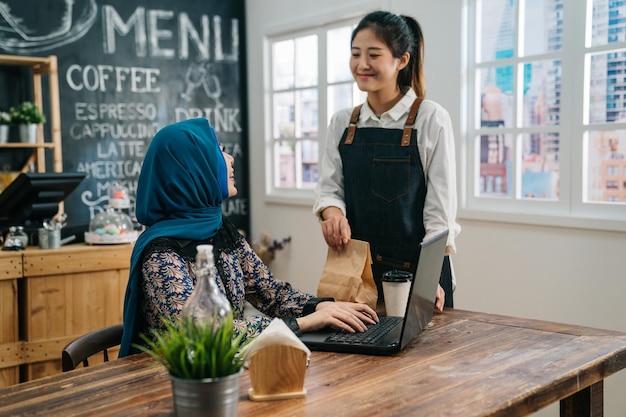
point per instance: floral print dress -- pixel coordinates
(168, 279)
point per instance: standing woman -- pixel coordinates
(388, 173)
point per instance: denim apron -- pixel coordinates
(385, 191)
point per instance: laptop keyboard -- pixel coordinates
(371, 336)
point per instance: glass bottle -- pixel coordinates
(206, 301)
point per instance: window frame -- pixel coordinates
(294, 195)
(569, 210)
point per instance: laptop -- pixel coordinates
(399, 331)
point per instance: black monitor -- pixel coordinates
(34, 197)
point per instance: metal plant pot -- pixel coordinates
(4, 133)
(206, 397)
(28, 133)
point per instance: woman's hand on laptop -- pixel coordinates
(350, 317)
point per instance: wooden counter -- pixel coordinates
(50, 297)
(10, 272)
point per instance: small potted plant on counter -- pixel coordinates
(27, 116)
(204, 361)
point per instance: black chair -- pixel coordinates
(79, 350)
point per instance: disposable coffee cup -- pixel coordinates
(396, 287)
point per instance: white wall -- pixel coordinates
(551, 273)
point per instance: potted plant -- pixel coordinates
(204, 362)
(5, 121)
(27, 116)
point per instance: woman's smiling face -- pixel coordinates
(372, 63)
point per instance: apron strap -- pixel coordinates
(352, 127)
(408, 125)
(410, 121)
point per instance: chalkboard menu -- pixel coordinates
(128, 68)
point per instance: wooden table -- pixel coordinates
(466, 364)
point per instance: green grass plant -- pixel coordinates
(192, 350)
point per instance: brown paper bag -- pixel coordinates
(347, 275)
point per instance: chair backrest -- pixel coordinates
(79, 350)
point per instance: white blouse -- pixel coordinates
(435, 140)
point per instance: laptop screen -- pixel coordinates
(424, 287)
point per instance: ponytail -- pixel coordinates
(415, 75)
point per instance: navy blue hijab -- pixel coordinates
(180, 190)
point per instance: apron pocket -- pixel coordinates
(390, 177)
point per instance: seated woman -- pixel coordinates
(183, 180)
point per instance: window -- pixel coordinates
(310, 80)
(546, 110)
